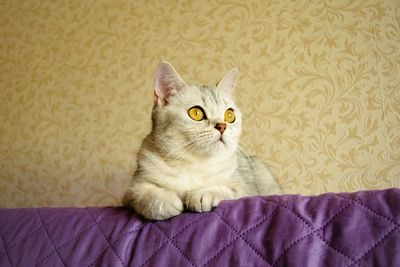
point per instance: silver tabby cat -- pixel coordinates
(191, 160)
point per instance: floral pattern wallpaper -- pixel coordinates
(319, 86)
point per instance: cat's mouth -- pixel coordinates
(221, 140)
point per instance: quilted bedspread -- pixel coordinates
(347, 229)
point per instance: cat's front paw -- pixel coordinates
(203, 200)
(168, 207)
(160, 206)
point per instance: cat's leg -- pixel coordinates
(153, 202)
(205, 199)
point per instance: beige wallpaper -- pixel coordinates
(319, 86)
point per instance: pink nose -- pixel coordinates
(220, 127)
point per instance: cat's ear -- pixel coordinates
(228, 83)
(167, 82)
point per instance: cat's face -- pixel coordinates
(197, 120)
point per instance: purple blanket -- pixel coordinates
(349, 229)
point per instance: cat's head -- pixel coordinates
(195, 120)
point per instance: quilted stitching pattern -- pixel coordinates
(349, 229)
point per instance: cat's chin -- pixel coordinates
(221, 148)
(215, 149)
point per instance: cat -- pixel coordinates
(191, 160)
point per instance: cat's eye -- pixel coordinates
(229, 115)
(196, 113)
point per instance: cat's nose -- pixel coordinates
(220, 127)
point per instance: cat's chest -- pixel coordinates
(200, 175)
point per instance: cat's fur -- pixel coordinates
(187, 164)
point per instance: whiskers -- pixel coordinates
(241, 149)
(190, 146)
(203, 142)
(182, 149)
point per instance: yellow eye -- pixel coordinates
(196, 113)
(229, 115)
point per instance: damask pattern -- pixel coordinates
(319, 87)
